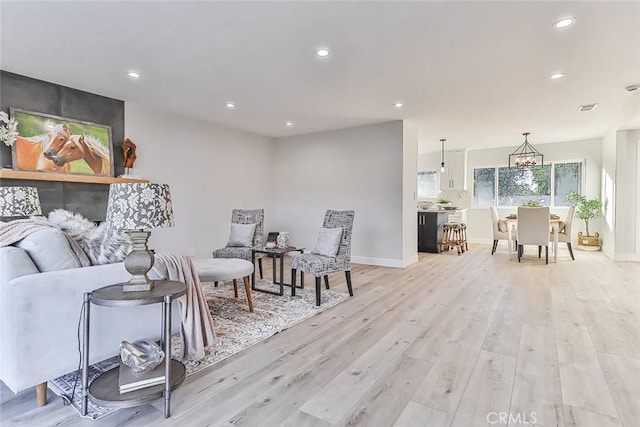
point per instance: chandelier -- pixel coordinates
(525, 156)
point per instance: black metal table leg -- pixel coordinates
(281, 274)
(253, 275)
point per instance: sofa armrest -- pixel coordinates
(15, 262)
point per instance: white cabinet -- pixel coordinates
(457, 217)
(455, 163)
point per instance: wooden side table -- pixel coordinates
(104, 390)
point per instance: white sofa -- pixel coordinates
(39, 315)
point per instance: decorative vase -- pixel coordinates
(283, 240)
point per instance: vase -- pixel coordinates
(283, 240)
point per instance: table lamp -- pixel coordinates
(19, 202)
(137, 208)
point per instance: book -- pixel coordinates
(130, 381)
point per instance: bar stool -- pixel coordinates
(455, 236)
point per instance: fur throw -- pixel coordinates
(102, 246)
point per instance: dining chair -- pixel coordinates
(564, 235)
(533, 229)
(321, 265)
(245, 216)
(500, 230)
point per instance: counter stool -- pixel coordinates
(454, 237)
(225, 269)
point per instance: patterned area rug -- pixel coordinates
(236, 329)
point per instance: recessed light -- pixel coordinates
(133, 75)
(322, 53)
(398, 105)
(564, 23)
(632, 88)
(288, 124)
(230, 105)
(587, 107)
(556, 76)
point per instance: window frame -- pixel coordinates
(583, 180)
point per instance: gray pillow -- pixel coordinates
(328, 242)
(242, 235)
(502, 226)
(49, 250)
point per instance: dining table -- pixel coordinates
(512, 225)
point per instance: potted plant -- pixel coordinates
(586, 210)
(442, 202)
(532, 204)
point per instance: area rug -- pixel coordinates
(236, 329)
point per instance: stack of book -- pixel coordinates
(130, 381)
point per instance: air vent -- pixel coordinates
(587, 107)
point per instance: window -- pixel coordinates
(516, 186)
(549, 185)
(484, 187)
(567, 178)
(428, 184)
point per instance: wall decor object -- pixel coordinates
(128, 154)
(57, 144)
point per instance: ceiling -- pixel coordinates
(476, 73)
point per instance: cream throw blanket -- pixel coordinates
(197, 331)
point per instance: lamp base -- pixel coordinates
(138, 262)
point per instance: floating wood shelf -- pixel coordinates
(64, 177)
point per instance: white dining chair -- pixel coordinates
(533, 229)
(564, 235)
(500, 230)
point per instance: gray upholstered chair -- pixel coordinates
(245, 216)
(500, 230)
(564, 234)
(321, 266)
(533, 229)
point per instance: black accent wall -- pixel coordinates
(17, 91)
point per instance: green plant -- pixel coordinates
(586, 209)
(443, 201)
(532, 204)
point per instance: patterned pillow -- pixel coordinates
(328, 242)
(241, 235)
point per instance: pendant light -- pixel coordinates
(525, 156)
(442, 168)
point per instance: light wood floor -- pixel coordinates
(450, 340)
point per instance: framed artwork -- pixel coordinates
(57, 144)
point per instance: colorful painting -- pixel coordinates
(56, 144)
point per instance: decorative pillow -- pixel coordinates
(328, 242)
(241, 235)
(49, 250)
(102, 245)
(502, 226)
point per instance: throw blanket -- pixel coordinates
(197, 331)
(16, 230)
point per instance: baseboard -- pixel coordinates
(381, 262)
(626, 257)
(481, 241)
(411, 260)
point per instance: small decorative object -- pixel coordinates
(19, 202)
(58, 144)
(133, 208)
(128, 154)
(8, 129)
(526, 156)
(532, 204)
(442, 202)
(586, 210)
(283, 240)
(270, 245)
(424, 204)
(141, 355)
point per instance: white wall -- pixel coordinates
(626, 204)
(589, 151)
(358, 168)
(210, 170)
(608, 193)
(409, 190)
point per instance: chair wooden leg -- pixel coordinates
(235, 288)
(215, 284)
(546, 254)
(326, 281)
(247, 289)
(348, 276)
(260, 266)
(293, 282)
(570, 250)
(41, 394)
(318, 290)
(495, 246)
(540, 251)
(519, 252)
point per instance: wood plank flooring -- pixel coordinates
(467, 340)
